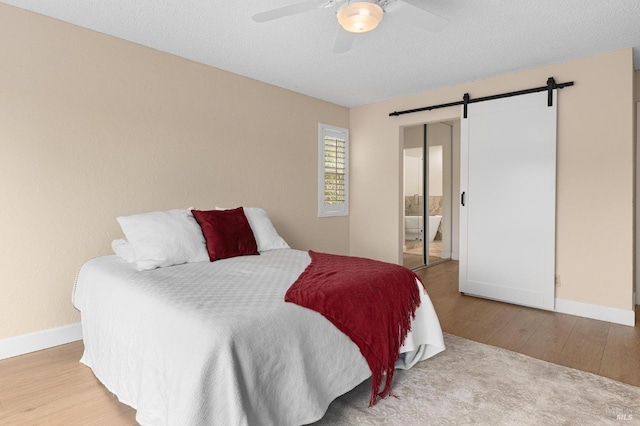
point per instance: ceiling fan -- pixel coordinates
(360, 16)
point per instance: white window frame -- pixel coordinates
(324, 209)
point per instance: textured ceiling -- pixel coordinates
(483, 38)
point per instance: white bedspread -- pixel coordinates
(215, 343)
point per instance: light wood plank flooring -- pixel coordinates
(599, 347)
(51, 387)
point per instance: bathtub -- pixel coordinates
(413, 227)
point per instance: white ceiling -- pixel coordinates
(484, 38)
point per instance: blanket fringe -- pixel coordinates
(394, 345)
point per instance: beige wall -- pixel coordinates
(93, 127)
(636, 99)
(595, 177)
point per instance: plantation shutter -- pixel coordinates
(333, 165)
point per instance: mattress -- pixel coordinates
(215, 343)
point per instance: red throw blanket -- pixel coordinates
(372, 302)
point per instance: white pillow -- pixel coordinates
(264, 232)
(123, 250)
(164, 238)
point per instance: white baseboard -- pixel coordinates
(602, 313)
(26, 343)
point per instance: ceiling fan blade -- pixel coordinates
(344, 40)
(289, 10)
(414, 13)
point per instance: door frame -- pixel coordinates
(454, 182)
(637, 210)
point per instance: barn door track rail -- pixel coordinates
(466, 99)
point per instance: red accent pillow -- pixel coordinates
(226, 232)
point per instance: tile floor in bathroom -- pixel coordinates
(412, 255)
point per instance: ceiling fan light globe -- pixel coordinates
(360, 17)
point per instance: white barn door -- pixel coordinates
(508, 193)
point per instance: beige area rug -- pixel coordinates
(472, 383)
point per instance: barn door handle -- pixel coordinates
(462, 199)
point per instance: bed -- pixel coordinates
(214, 342)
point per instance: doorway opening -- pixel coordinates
(428, 183)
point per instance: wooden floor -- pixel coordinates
(599, 347)
(51, 387)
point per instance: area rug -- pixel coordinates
(472, 383)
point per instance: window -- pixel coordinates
(333, 171)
